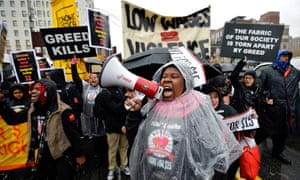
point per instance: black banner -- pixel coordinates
(64, 43)
(25, 66)
(256, 41)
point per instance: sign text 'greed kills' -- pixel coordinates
(68, 38)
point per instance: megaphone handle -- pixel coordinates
(128, 107)
(139, 95)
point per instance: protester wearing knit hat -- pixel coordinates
(246, 92)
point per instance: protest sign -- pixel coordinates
(25, 66)
(64, 13)
(196, 66)
(13, 147)
(256, 41)
(64, 43)
(98, 28)
(243, 121)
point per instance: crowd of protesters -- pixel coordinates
(61, 115)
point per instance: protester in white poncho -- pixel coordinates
(181, 137)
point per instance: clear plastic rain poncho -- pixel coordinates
(183, 139)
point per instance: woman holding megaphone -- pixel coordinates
(180, 136)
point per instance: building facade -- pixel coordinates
(25, 18)
(294, 45)
(22, 17)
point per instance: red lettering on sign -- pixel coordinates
(16, 132)
(169, 36)
(13, 147)
(2, 131)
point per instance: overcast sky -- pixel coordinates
(221, 11)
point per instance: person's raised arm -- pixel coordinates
(75, 76)
(234, 78)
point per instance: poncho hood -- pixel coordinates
(183, 68)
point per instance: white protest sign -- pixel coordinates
(243, 121)
(196, 66)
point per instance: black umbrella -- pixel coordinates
(146, 63)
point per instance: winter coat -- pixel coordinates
(61, 136)
(114, 113)
(244, 97)
(68, 92)
(284, 91)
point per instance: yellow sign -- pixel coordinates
(64, 14)
(13, 147)
(66, 64)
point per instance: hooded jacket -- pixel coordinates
(283, 90)
(59, 133)
(54, 131)
(281, 64)
(182, 139)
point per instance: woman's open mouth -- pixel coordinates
(167, 91)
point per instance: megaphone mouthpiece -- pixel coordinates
(152, 89)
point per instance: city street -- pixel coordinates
(271, 169)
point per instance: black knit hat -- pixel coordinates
(216, 81)
(251, 73)
(208, 89)
(21, 87)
